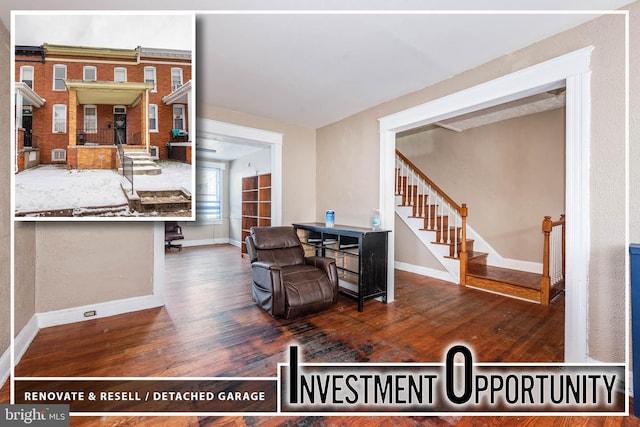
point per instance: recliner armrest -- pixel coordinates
(328, 265)
(268, 276)
(265, 265)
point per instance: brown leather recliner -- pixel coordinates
(285, 282)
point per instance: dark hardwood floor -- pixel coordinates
(210, 327)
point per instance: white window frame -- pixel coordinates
(154, 80)
(181, 116)
(23, 71)
(58, 155)
(209, 192)
(178, 73)
(62, 79)
(60, 109)
(90, 68)
(115, 74)
(88, 128)
(153, 118)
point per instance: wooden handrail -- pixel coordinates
(444, 195)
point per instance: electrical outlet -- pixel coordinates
(90, 313)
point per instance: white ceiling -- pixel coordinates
(314, 69)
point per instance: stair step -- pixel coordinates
(458, 246)
(477, 258)
(435, 221)
(506, 275)
(514, 283)
(447, 235)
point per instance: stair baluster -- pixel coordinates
(439, 212)
(553, 258)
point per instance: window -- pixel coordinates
(119, 74)
(59, 76)
(59, 118)
(176, 78)
(153, 118)
(178, 116)
(58, 155)
(209, 192)
(89, 73)
(26, 75)
(150, 77)
(90, 119)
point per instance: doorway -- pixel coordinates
(119, 125)
(571, 70)
(272, 140)
(27, 125)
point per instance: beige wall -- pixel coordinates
(24, 274)
(510, 174)
(5, 194)
(298, 161)
(355, 141)
(90, 262)
(411, 251)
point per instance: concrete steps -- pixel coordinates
(143, 164)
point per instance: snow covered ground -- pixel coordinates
(49, 187)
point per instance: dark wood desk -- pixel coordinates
(360, 253)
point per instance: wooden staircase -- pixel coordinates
(445, 222)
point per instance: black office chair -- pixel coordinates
(172, 232)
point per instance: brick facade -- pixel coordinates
(105, 62)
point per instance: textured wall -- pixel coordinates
(355, 140)
(510, 174)
(90, 262)
(5, 193)
(298, 161)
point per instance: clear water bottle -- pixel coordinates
(375, 220)
(330, 218)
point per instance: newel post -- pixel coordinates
(463, 246)
(562, 219)
(545, 281)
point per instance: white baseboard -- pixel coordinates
(25, 338)
(71, 315)
(21, 343)
(424, 271)
(104, 309)
(235, 243)
(5, 366)
(204, 242)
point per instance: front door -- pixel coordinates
(27, 125)
(120, 128)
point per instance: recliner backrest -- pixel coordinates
(277, 245)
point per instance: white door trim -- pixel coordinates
(571, 70)
(271, 139)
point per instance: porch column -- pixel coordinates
(19, 106)
(144, 120)
(191, 118)
(73, 116)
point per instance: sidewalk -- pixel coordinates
(54, 188)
